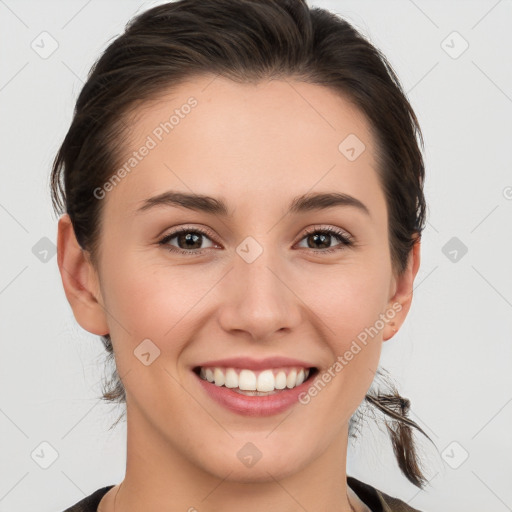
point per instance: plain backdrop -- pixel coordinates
(453, 356)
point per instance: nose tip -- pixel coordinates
(258, 301)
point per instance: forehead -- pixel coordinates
(274, 138)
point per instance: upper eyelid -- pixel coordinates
(316, 227)
(306, 231)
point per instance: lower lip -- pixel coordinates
(254, 405)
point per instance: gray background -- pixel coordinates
(452, 357)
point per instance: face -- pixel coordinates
(186, 287)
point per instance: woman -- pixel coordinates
(242, 190)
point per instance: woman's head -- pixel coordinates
(262, 106)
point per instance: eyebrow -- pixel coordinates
(213, 206)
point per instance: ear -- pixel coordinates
(401, 299)
(80, 280)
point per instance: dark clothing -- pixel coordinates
(91, 502)
(374, 499)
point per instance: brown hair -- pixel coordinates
(246, 41)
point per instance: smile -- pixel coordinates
(253, 382)
(255, 393)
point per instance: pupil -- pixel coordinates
(190, 239)
(322, 236)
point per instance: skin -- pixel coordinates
(257, 147)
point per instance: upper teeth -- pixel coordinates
(247, 380)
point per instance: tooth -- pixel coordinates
(280, 380)
(231, 378)
(292, 377)
(247, 380)
(218, 375)
(266, 381)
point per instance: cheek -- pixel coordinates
(149, 302)
(354, 337)
(150, 298)
(350, 306)
(155, 301)
(349, 302)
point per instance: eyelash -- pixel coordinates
(346, 241)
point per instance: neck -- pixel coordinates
(158, 476)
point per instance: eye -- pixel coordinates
(321, 236)
(189, 240)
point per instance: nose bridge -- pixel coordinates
(257, 299)
(257, 266)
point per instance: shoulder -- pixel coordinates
(90, 503)
(377, 500)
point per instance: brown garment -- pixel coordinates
(374, 499)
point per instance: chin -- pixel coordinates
(274, 466)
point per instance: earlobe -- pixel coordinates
(402, 298)
(389, 330)
(79, 280)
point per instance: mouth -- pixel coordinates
(256, 383)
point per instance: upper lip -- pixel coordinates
(256, 364)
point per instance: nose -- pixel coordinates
(257, 298)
